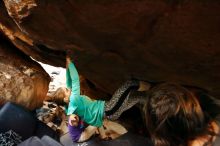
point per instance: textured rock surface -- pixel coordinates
(112, 41)
(21, 79)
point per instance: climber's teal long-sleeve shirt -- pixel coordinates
(91, 111)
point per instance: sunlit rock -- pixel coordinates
(22, 80)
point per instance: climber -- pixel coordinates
(94, 111)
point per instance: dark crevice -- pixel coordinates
(133, 120)
(91, 85)
(49, 51)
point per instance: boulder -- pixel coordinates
(22, 80)
(115, 40)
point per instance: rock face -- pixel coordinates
(112, 41)
(21, 79)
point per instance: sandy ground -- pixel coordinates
(51, 113)
(57, 74)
